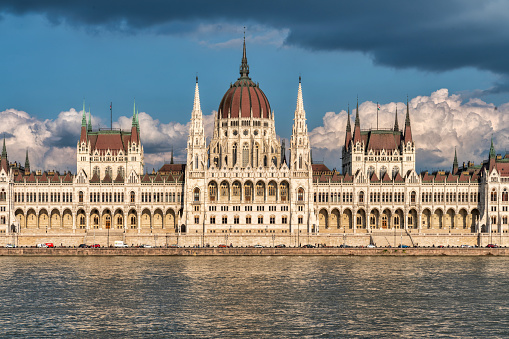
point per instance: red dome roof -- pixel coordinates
(244, 96)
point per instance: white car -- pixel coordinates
(10, 246)
(42, 245)
(371, 246)
(466, 246)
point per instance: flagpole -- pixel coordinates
(111, 115)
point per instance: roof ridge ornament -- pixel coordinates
(244, 67)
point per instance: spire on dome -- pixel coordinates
(396, 126)
(244, 67)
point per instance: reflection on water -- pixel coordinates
(254, 296)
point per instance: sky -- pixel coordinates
(447, 57)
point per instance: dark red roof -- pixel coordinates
(173, 168)
(244, 96)
(319, 168)
(95, 179)
(374, 178)
(146, 179)
(502, 168)
(382, 140)
(398, 178)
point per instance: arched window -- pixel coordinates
(300, 162)
(236, 189)
(494, 195)
(371, 170)
(133, 197)
(247, 191)
(196, 194)
(283, 191)
(256, 156)
(224, 189)
(97, 171)
(274, 161)
(196, 162)
(260, 189)
(300, 194)
(504, 195)
(234, 160)
(80, 196)
(412, 197)
(272, 189)
(212, 191)
(120, 172)
(361, 196)
(383, 170)
(265, 161)
(109, 171)
(395, 171)
(245, 155)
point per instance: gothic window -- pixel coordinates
(272, 189)
(133, 197)
(412, 197)
(395, 171)
(493, 195)
(361, 197)
(283, 191)
(109, 171)
(80, 196)
(212, 191)
(256, 155)
(224, 189)
(504, 195)
(234, 160)
(383, 170)
(247, 191)
(196, 194)
(236, 189)
(97, 171)
(245, 155)
(274, 161)
(300, 162)
(371, 170)
(300, 194)
(260, 189)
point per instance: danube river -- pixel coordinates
(254, 297)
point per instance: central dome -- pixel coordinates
(244, 98)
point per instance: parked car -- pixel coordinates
(10, 246)
(42, 246)
(403, 246)
(308, 246)
(466, 246)
(371, 246)
(258, 246)
(222, 246)
(95, 246)
(280, 246)
(49, 245)
(83, 246)
(344, 246)
(144, 246)
(492, 246)
(174, 245)
(440, 246)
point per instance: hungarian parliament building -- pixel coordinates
(243, 182)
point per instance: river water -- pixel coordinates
(254, 297)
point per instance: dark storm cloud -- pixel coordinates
(432, 35)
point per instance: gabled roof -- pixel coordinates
(464, 177)
(19, 178)
(427, 178)
(386, 178)
(502, 168)
(119, 178)
(107, 178)
(398, 178)
(44, 177)
(172, 168)
(68, 177)
(382, 140)
(55, 178)
(95, 179)
(158, 178)
(146, 179)
(452, 178)
(335, 177)
(348, 178)
(374, 178)
(31, 178)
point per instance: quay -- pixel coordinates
(249, 251)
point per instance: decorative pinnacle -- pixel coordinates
(27, 162)
(196, 104)
(244, 67)
(84, 118)
(407, 118)
(348, 126)
(4, 150)
(357, 120)
(396, 126)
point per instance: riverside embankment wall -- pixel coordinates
(254, 251)
(379, 239)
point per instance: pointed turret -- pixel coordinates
(4, 162)
(493, 155)
(357, 128)
(27, 164)
(348, 135)
(299, 142)
(134, 127)
(408, 130)
(83, 134)
(196, 150)
(455, 162)
(89, 129)
(171, 159)
(396, 126)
